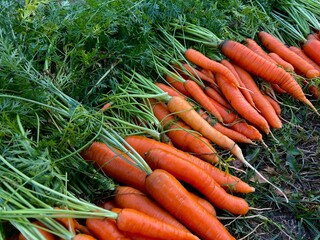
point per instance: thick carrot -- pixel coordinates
(178, 85)
(114, 166)
(128, 197)
(143, 144)
(261, 67)
(133, 221)
(197, 178)
(185, 111)
(263, 105)
(205, 204)
(241, 105)
(46, 235)
(105, 229)
(212, 93)
(311, 48)
(274, 104)
(255, 47)
(182, 136)
(243, 89)
(82, 236)
(275, 45)
(199, 95)
(171, 195)
(280, 61)
(202, 61)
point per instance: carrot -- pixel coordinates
(241, 105)
(114, 166)
(212, 93)
(276, 46)
(313, 36)
(68, 223)
(197, 178)
(105, 107)
(255, 47)
(171, 195)
(312, 47)
(81, 228)
(209, 74)
(128, 197)
(243, 89)
(46, 235)
(196, 73)
(303, 55)
(201, 60)
(277, 88)
(105, 229)
(264, 106)
(168, 89)
(133, 221)
(143, 144)
(274, 104)
(262, 68)
(82, 236)
(178, 85)
(109, 204)
(182, 136)
(205, 204)
(185, 111)
(280, 61)
(236, 123)
(199, 95)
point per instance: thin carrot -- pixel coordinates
(255, 47)
(199, 95)
(46, 235)
(171, 195)
(133, 221)
(82, 236)
(171, 91)
(264, 106)
(280, 61)
(205, 204)
(277, 88)
(243, 88)
(209, 74)
(81, 228)
(143, 144)
(212, 93)
(276, 46)
(274, 104)
(303, 55)
(201, 60)
(105, 107)
(196, 73)
(183, 136)
(178, 85)
(241, 105)
(128, 197)
(114, 166)
(261, 67)
(197, 178)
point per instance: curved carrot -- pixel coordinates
(142, 145)
(197, 178)
(274, 104)
(171, 195)
(255, 47)
(128, 197)
(276, 46)
(182, 136)
(114, 166)
(202, 61)
(205, 204)
(261, 67)
(241, 105)
(212, 93)
(264, 106)
(243, 89)
(133, 221)
(82, 236)
(280, 61)
(198, 95)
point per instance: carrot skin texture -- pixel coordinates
(255, 47)
(266, 109)
(133, 221)
(128, 197)
(142, 145)
(240, 104)
(169, 193)
(280, 61)
(114, 166)
(276, 46)
(198, 178)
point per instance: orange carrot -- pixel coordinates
(82, 236)
(241, 105)
(81, 228)
(212, 93)
(209, 74)
(255, 47)
(197, 178)
(182, 136)
(265, 108)
(196, 73)
(261, 67)
(311, 48)
(303, 55)
(105, 107)
(114, 166)
(171, 195)
(243, 89)
(168, 89)
(276, 46)
(277, 88)
(198, 95)
(47, 235)
(274, 104)
(133, 221)
(205, 204)
(178, 85)
(201, 60)
(280, 61)
(128, 197)
(143, 144)
(313, 36)
(109, 204)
